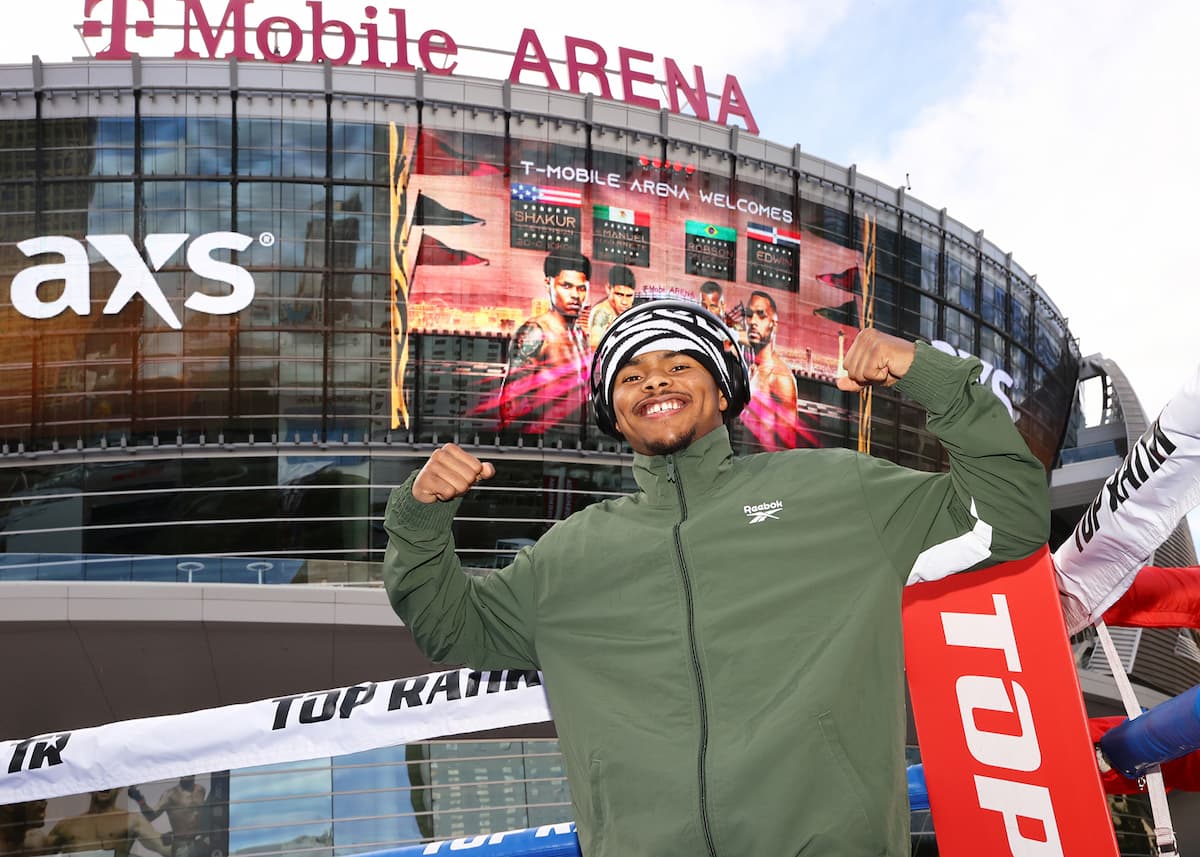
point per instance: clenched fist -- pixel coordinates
(875, 359)
(449, 473)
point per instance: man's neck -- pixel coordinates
(567, 321)
(764, 355)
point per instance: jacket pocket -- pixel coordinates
(598, 807)
(845, 779)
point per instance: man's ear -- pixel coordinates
(722, 402)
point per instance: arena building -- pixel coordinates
(242, 298)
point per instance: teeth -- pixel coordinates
(662, 407)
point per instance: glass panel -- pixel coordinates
(209, 143)
(17, 154)
(273, 147)
(960, 330)
(114, 147)
(993, 300)
(918, 316)
(375, 800)
(960, 283)
(1022, 313)
(285, 807)
(164, 152)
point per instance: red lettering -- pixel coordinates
(586, 60)
(733, 103)
(320, 27)
(271, 52)
(440, 43)
(629, 77)
(576, 67)
(372, 33)
(233, 22)
(676, 83)
(401, 41)
(117, 49)
(538, 62)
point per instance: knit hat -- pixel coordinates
(668, 325)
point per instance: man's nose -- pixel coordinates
(656, 378)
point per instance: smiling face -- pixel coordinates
(664, 401)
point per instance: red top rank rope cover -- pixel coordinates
(1004, 735)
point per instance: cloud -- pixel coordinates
(1074, 145)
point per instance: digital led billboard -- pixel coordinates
(551, 249)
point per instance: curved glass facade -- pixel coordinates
(242, 303)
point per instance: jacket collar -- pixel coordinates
(698, 468)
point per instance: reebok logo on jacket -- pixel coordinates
(763, 511)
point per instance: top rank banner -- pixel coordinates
(1000, 718)
(1136, 510)
(287, 729)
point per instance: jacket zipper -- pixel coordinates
(673, 476)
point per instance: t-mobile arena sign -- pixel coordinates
(382, 40)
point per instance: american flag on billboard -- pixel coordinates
(621, 235)
(543, 218)
(548, 195)
(710, 250)
(772, 257)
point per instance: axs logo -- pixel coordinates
(74, 271)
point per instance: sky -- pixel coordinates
(1066, 129)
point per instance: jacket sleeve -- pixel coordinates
(485, 621)
(992, 506)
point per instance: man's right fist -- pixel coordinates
(449, 473)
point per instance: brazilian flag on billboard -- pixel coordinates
(710, 250)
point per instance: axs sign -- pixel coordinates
(135, 276)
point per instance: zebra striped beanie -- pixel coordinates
(667, 325)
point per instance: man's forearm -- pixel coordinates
(454, 617)
(989, 460)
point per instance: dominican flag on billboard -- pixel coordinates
(710, 251)
(773, 257)
(621, 235)
(543, 218)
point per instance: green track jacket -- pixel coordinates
(722, 650)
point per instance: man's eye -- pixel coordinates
(628, 378)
